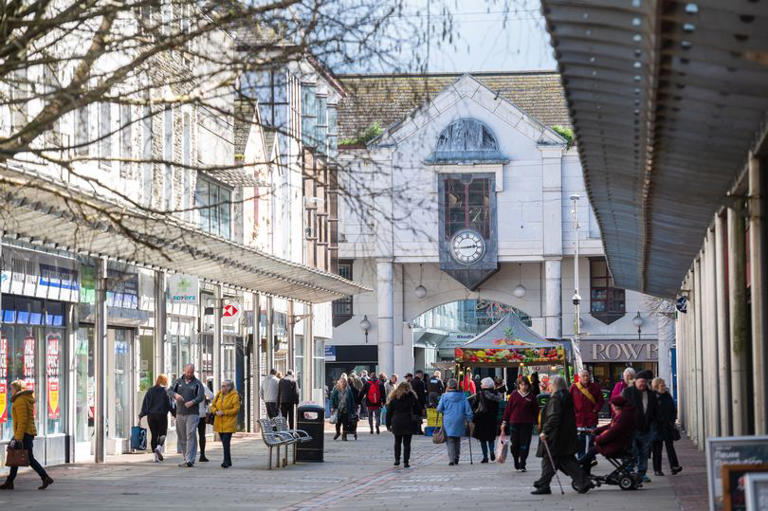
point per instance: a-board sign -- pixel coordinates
(734, 450)
(756, 489)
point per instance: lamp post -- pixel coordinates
(638, 322)
(365, 325)
(576, 297)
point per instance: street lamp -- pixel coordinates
(638, 322)
(365, 325)
(420, 291)
(576, 297)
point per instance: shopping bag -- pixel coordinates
(383, 414)
(138, 438)
(439, 436)
(334, 417)
(501, 450)
(16, 457)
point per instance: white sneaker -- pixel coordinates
(156, 458)
(159, 453)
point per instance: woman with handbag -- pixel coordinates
(666, 431)
(485, 412)
(456, 412)
(225, 407)
(343, 404)
(155, 408)
(24, 431)
(403, 411)
(520, 414)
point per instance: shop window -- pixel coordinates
(467, 205)
(342, 308)
(607, 302)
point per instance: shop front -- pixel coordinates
(38, 293)
(607, 359)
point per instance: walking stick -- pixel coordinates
(469, 441)
(554, 467)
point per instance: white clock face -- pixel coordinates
(467, 246)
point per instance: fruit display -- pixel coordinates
(501, 356)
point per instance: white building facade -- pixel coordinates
(469, 215)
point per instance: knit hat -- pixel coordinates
(619, 401)
(646, 375)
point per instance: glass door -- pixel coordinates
(121, 390)
(85, 393)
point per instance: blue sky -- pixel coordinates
(491, 35)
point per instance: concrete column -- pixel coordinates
(698, 363)
(759, 293)
(309, 351)
(217, 335)
(291, 340)
(161, 324)
(553, 316)
(665, 333)
(723, 325)
(100, 359)
(711, 399)
(255, 369)
(385, 323)
(739, 324)
(270, 338)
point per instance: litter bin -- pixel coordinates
(311, 418)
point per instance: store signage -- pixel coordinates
(52, 370)
(3, 380)
(231, 312)
(619, 351)
(183, 289)
(728, 459)
(330, 353)
(29, 363)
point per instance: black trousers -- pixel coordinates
(286, 410)
(158, 426)
(272, 409)
(566, 464)
(658, 445)
(520, 442)
(405, 442)
(27, 443)
(201, 426)
(226, 440)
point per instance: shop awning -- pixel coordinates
(41, 210)
(666, 100)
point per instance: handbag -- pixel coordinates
(334, 417)
(439, 436)
(675, 434)
(210, 418)
(480, 406)
(138, 438)
(16, 457)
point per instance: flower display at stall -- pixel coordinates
(529, 356)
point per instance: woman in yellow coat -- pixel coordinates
(24, 431)
(225, 407)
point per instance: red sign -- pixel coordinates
(230, 311)
(3, 380)
(29, 363)
(52, 371)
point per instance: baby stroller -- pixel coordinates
(621, 476)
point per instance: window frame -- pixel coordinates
(614, 300)
(343, 308)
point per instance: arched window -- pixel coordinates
(467, 140)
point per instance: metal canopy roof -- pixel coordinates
(47, 212)
(665, 107)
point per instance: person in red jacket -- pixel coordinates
(520, 414)
(587, 402)
(615, 439)
(467, 385)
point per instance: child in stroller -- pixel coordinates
(614, 443)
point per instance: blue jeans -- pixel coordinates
(374, 414)
(27, 443)
(641, 448)
(486, 446)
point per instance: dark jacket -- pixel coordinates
(521, 410)
(351, 409)
(666, 415)
(615, 439)
(382, 394)
(402, 413)
(156, 402)
(190, 391)
(486, 423)
(435, 389)
(645, 420)
(535, 386)
(420, 389)
(287, 392)
(558, 423)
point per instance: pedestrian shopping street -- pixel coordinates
(355, 475)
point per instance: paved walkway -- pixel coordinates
(356, 475)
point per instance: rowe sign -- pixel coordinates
(620, 351)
